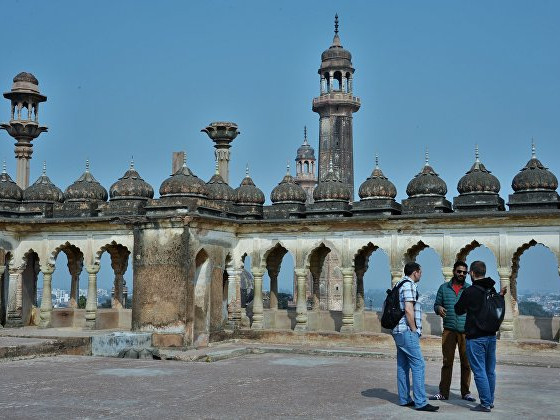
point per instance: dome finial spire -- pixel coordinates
(247, 170)
(132, 162)
(4, 166)
(44, 167)
(376, 161)
(217, 168)
(87, 165)
(185, 159)
(336, 24)
(427, 157)
(533, 149)
(287, 168)
(476, 154)
(305, 134)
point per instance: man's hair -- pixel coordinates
(410, 268)
(478, 268)
(459, 264)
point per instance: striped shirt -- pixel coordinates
(409, 293)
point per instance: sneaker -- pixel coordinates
(481, 408)
(438, 397)
(408, 404)
(428, 407)
(491, 405)
(469, 397)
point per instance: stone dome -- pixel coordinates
(131, 186)
(218, 189)
(331, 188)
(377, 185)
(287, 191)
(248, 193)
(478, 180)
(43, 190)
(426, 183)
(86, 188)
(305, 151)
(26, 77)
(183, 183)
(9, 190)
(336, 53)
(534, 176)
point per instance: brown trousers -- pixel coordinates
(449, 341)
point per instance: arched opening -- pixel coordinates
(201, 299)
(31, 289)
(482, 253)
(226, 298)
(326, 83)
(324, 286)
(535, 292)
(306, 167)
(348, 78)
(279, 272)
(337, 81)
(373, 277)
(432, 275)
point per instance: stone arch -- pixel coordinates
(515, 265)
(412, 252)
(226, 298)
(75, 258)
(273, 259)
(430, 272)
(202, 283)
(119, 255)
(324, 263)
(29, 279)
(6, 256)
(361, 265)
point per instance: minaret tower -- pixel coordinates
(305, 168)
(335, 106)
(24, 122)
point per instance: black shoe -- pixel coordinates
(428, 407)
(481, 408)
(408, 404)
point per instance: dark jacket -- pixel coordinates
(471, 302)
(447, 298)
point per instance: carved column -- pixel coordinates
(75, 268)
(506, 329)
(273, 274)
(447, 273)
(396, 276)
(360, 304)
(316, 296)
(258, 316)
(15, 304)
(234, 298)
(301, 304)
(347, 304)
(91, 303)
(46, 302)
(2, 280)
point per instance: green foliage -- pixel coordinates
(106, 303)
(533, 309)
(82, 302)
(283, 299)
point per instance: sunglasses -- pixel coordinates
(461, 271)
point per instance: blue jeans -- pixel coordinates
(409, 357)
(482, 358)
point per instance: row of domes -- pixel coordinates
(534, 176)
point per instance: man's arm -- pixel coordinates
(409, 313)
(438, 304)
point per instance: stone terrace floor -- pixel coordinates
(266, 385)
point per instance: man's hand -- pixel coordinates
(503, 291)
(442, 312)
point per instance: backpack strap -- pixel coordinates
(400, 284)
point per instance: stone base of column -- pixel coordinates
(90, 321)
(14, 322)
(300, 328)
(506, 332)
(45, 319)
(257, 322)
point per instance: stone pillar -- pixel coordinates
(316, 296)
(46, 301)
(396, 276)
(506, 329)
(234, 298)
(23, 156)
(301, 304)
(223, 157)
(273, 274)
(360, 304)
(91, 304)
(15, 304)
(258, 316)
(2, 280)
(74, 290)
(347, 304)
(447, 273)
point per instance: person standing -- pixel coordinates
(481, 344)
(407, 339)
(453, 335)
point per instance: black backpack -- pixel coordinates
(392, 312)
(492, 311)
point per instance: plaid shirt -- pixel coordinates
(408, 293)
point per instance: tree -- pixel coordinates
(82, 302)
(533, 309)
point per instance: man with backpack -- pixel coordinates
(407, 339)
(453, 333)
(485, 310)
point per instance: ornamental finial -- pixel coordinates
(476, 154)
(247, 170)
(336, 23)
(427, 157)
(44, 167)
(185, 159)
(132, 162)
(4, 166)
(305, 134)
(287, 168)
(376, 161)
(87, 165)
(533, 149)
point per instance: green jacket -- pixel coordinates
(447, 298)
